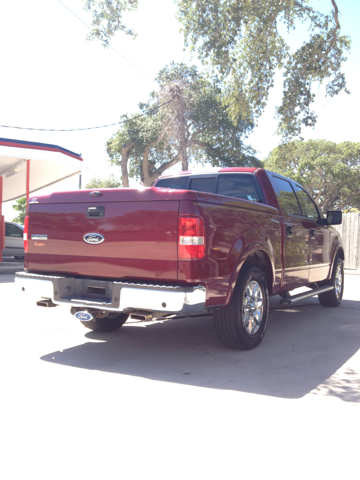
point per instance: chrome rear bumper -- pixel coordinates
(112, 295)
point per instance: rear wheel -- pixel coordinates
(334, 297)
(106, 324)
(242, 324)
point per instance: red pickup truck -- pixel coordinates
(219, 241)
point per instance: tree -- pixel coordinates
(140, 147)
(185, 120)
(109, 182)
(199, 124)
(107, 18)
(329, 171)
(244, 43)
(20, 207)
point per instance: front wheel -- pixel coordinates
(334, 297)
(242, 324)
(106, 324)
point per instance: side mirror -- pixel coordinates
(334, 217)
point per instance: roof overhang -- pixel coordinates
(48, 164)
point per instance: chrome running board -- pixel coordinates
(301, 296)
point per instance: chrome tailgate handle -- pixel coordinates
(95, 212)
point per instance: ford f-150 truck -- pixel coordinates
(218, 241)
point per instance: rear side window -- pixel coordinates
(179, 183)
(287, 196)
(240, 186)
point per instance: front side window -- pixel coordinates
(308, 207)
(287, 196)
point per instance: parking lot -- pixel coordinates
(167, 400)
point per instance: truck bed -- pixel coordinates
(140, 227)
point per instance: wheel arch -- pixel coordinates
(339, 252)
(256, 257)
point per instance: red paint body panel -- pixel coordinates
(140, 227)
(232, 226)
(140, 239)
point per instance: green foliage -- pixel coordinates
(244, 43)
(329, 171)
(109, 182)
(107, 18)
(241, 41)
(20, 207)
(192, 125)
(212, 135)
(352, 210)
(145, 134)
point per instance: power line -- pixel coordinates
(149, 112)
(110, 46)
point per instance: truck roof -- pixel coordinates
(212, 170)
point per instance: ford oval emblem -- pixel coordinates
(83, 316)
(93, 238)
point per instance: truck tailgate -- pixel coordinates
(140, 235)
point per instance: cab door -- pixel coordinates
(319, 237)
(296, 250)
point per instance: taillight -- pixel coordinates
(191, 238)
(26, 229)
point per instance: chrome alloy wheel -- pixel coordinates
(338, 281)
(252, 307)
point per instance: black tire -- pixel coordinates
(334, 297)
(235, 325)
(106, 324)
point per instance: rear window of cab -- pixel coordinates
(238, 185)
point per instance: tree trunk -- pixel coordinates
(162, 169)
(181, 123)
(145, 167)
(182, 133)
(125, 153)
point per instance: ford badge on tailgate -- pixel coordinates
(93, 238)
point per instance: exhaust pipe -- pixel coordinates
(142, 316)
(46, 302)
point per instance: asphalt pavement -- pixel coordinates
(166, 400)
(10, 265)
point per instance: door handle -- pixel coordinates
(289, 231)
(312, 233)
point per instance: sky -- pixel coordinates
(51, 77)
